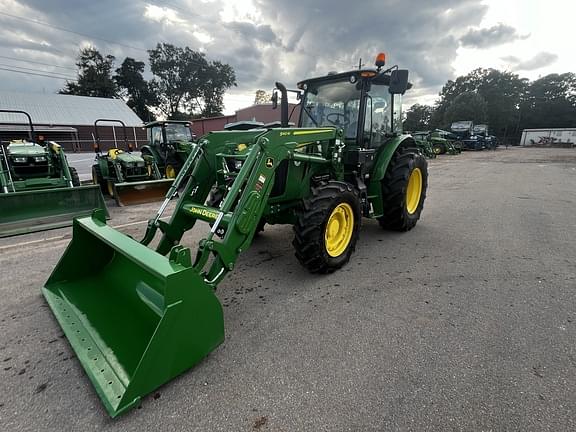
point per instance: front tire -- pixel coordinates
(74, 176)
(404, 191)
(438, 149)
(98, 179)
(327, 228)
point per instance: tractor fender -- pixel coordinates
(151, 150)
(383, 158)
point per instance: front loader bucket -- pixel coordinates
(134, 318)
(39, 210)
(131, 193)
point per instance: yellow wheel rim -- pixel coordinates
(170, 171)
(339, 229)
(414, 190)
(437, 150)
(110, 188)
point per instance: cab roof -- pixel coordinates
(379, 78)
(163, 122)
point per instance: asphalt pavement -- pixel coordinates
(467, 322)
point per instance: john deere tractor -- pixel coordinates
(137, 317)
(169, 143)
(38, 189)
(441, 143)
(425, 144)
(125, 176)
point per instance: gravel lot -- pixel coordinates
(467, 322)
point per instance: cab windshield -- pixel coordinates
(178, 132)
(335, 103)
(174, 132)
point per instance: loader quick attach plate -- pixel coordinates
(40, 210)
(132, 193)
(134, 318)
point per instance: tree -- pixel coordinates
(94, 75)
(262, 97)
(550, 102)
(418, 118)
(219, 78)
(186, 83)
(135, 89)
(502, 92)
(467, 106)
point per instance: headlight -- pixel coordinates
(20, 159)
(39, 158)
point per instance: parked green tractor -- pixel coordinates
(169, 143)
(442, 144)
(125, 176)
(138, 317)
(424, 144)
(38, 189)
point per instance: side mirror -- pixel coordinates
(274, 99)
(398, 81)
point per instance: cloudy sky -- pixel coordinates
(287, 40)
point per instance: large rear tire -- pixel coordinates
(327, 227)
(74, 176)
(404, 191)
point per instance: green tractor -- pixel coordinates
(169, 143)
(137, 317)
(442, 144)
(125, 176)
(38, 189)
(424, 144)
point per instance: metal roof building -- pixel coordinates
(68, 119)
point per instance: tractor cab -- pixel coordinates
(365, 103)
(163, 133)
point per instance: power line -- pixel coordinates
(36, 70)
(37, 62)
(33, 73)
(30, 20)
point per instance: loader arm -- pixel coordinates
(136, 318)
(236, 218)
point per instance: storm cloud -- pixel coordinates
(540, 60)
(264, 40)
(488, 37)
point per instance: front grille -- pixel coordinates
(31, 168)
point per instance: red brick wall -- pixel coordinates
(262, 113)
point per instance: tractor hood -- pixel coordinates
(131, 159)
(25, 149)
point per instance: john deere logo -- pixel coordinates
(269, 163)
(203, 212)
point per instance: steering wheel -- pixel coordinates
(337, 116)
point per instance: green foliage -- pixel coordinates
(418, 118)
(467, 106)
(501, 90)
(550, 102)
(94, 75)
(186, 83)
(511, 103)
(135, 89)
